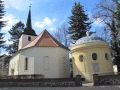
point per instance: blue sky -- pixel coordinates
(46, 14)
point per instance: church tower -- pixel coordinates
(28, 34)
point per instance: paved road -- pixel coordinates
(63, 88)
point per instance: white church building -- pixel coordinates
(40, 55)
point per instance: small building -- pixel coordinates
(4, 65)
(40, 55)
(91, 55)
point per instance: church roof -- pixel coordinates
(45, 39)
(28, 30)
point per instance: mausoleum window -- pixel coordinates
(94, 56)
(106, 56)
(81, 58)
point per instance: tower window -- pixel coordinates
(94, 56)
(106, 56)
(29, 38)
(26, 63)
(81, 58)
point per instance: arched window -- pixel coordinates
(29, 38)
(12, 71)
(1, 66)
(26, 63)
(106, 56)
(94, 56)
(81, 58)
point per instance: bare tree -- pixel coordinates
(58, 34)
(61, 34)
(109, 13)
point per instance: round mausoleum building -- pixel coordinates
(91, 55)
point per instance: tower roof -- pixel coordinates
(28, 30)
(45, 39)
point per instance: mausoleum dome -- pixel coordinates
(90, 39)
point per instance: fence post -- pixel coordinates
(78, 80)
(95, 79)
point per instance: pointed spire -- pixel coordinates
(28, 24)
(28, 30)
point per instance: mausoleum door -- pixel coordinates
(96, 68)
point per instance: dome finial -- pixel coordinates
(87, 33)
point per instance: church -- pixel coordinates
(40, 55)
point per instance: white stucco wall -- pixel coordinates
(13, 64)
(21, 64)
(52, 62)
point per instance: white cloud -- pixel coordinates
(11, 20)
(98, 22)
(17, 4)
(45, 23)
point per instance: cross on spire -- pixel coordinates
(30, 5)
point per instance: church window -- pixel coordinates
(12, 71)
(106, 56)
(94, 56)
(0, 66)
(81, 58)
(29, 38)
(46, 63)
(26, 63)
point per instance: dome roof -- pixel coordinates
(87, 39)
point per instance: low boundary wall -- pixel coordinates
(106, 80)
(49, 82)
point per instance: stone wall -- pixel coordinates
(106, 80)
(34, 82)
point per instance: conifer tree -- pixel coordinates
(2, 23)
(79, 22)
(15, 34)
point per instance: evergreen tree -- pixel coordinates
(79, 23)
(2, 23)
(15, 33)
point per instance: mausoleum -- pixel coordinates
(91, 55)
